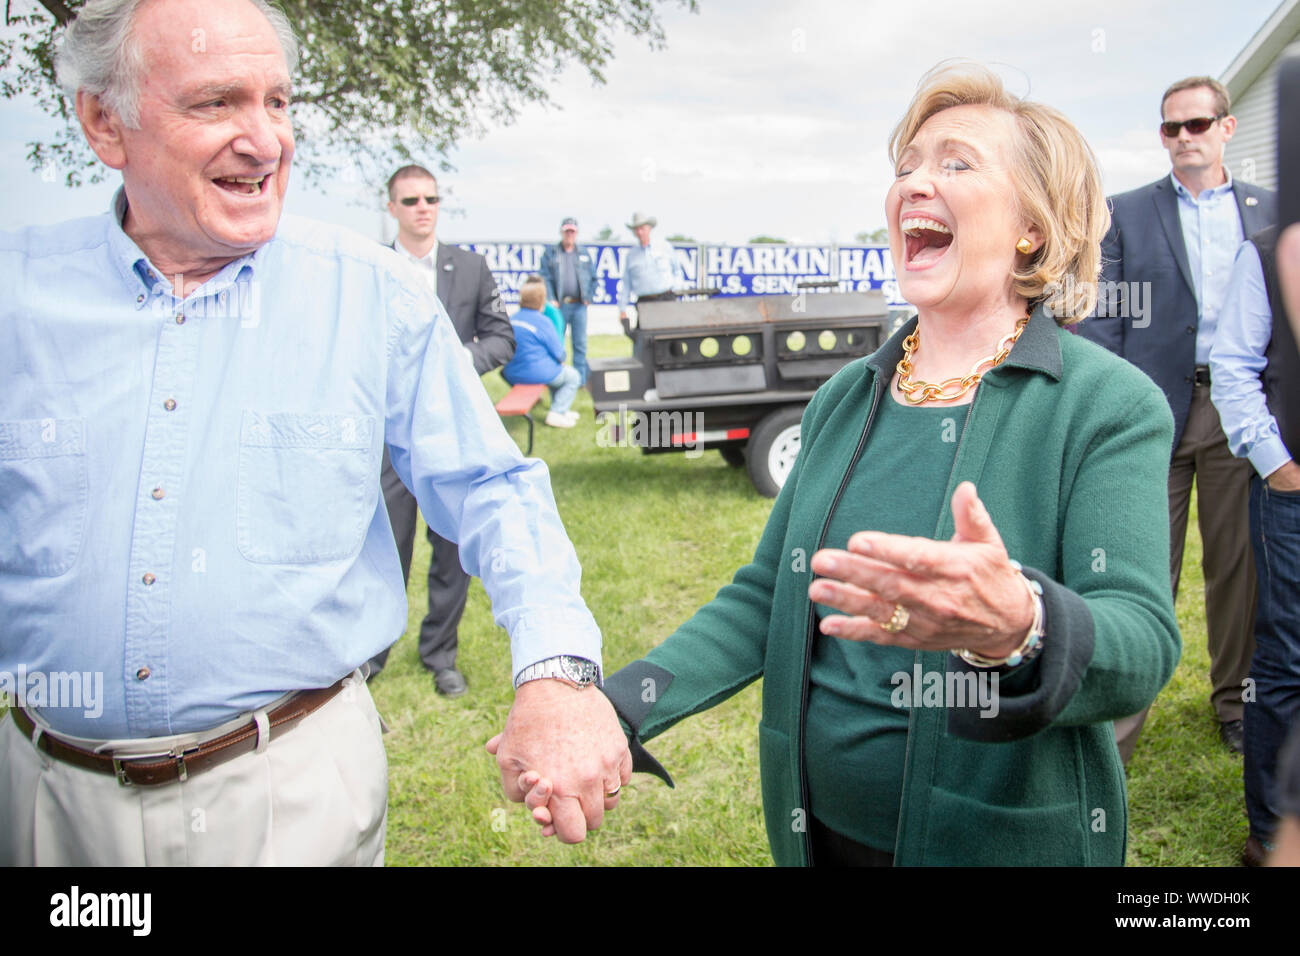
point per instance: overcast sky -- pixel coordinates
(764, 117)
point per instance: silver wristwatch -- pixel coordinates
(574, 671)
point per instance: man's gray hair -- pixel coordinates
(100, 54)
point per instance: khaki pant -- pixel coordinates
(1223, 512)
(317, 795)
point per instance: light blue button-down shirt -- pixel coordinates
(1236, 363)
(189, 489)
(650, 270)
(1211, 232)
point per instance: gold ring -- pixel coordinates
(897, 621)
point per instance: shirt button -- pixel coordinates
(148, 579)
(170, 404)
(180, 318)
(142, 674)
(157, 493)
(139, 298)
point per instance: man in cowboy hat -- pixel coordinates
(652, 269)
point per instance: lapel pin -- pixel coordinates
(1252, 201)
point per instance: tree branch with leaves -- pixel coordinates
(378, 82)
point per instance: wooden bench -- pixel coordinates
(520, 401)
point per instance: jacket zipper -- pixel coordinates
(812, 619)
(916, 658)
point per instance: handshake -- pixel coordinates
(563, 753)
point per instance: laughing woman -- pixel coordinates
(984, 499)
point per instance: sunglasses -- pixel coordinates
(412, 200)
(1194, 126)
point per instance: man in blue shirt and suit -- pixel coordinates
(1165, 266)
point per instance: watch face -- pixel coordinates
(578, 670)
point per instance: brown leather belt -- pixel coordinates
(570, 300)
(177, 764)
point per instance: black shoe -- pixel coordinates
(1230, 732)
(1255, 853)
(450, 682)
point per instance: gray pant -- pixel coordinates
(448, 582)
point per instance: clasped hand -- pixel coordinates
(961, 593)
(564, 754)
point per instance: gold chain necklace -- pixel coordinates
(929, 391)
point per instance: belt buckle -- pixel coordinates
(178, 753)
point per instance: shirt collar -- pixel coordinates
(429, 260)
(141, 274)
(1212, 193)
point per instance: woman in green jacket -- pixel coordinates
(939, 689)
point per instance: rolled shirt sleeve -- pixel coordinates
(475, 488)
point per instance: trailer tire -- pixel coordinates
(733, 455)
(772, 448)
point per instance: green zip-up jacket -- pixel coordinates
(1068, 447)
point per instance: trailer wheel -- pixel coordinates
(773, 446)
(733, 455)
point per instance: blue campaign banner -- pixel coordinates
(612, 259)
(765, 268)
(754, 269)
(513, 262)
(859, 268)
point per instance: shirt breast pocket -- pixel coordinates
(305, 491)
(43, 490)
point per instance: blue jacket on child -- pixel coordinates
(539, 351)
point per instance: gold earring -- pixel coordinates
(1024, 245)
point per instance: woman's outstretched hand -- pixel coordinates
(930, 595)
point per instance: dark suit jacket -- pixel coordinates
(469, 294)
(1145, 245)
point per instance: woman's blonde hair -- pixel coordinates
(1058, 186)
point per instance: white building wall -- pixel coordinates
(1251, 154)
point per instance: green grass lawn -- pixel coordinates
(657, 536)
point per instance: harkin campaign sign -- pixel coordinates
(754, 269)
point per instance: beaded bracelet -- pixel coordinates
(1029, 648)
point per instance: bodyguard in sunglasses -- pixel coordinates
(1165, 267)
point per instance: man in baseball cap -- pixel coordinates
(570, 274)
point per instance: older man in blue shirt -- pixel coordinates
(197, 395)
